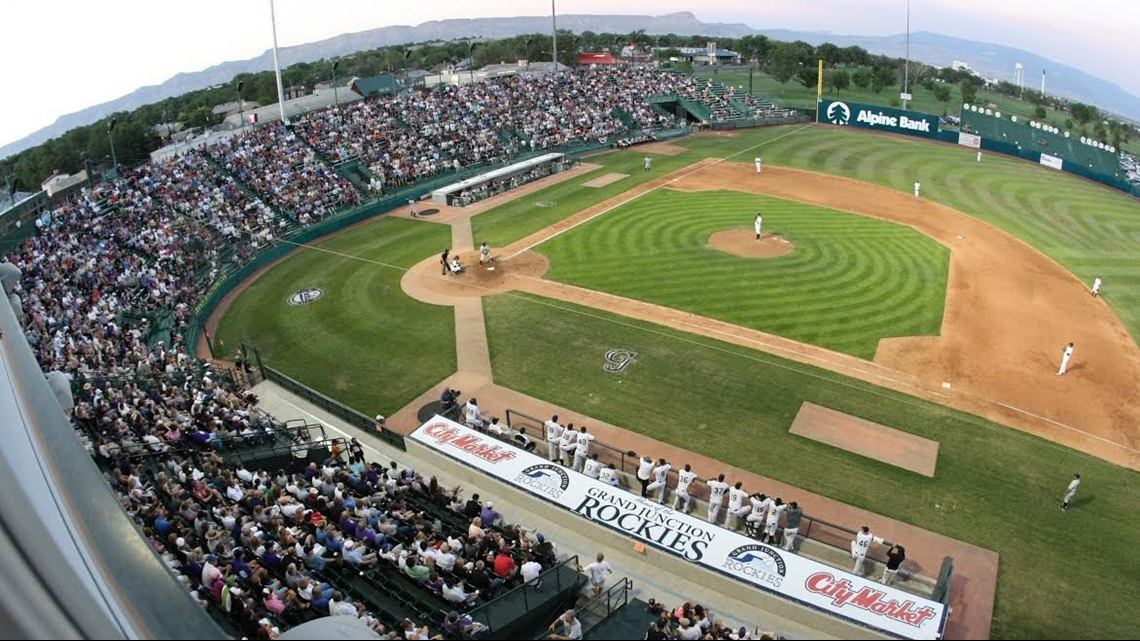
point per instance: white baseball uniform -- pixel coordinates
(553, 438)
(582, 450)
(660, 481)
(473, 418)
(917, 187)
(592, 468)
(648, 162)
(736, 506)
(608, 475)
(859, 548)
(1072, 491)
(757, 224)
(758, 164)
(1096, 286)
(716, 497)
(1065, 360)
(567, 445)
(773, 522)
(756, 509)
(684, 479)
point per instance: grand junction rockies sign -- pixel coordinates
(768, 568)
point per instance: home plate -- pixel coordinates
(490, 269)
(945, 385)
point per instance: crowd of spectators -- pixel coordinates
(691, 621)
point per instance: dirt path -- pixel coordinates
(1009, 312)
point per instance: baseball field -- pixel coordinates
(942, 317)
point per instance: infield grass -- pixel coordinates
(1062, 574)
(850, 280)
(364, 342)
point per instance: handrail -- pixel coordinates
(627, 462)
(524, 589)
(607, 598)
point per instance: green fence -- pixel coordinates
(1038, 138)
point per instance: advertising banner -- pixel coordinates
(1051, 161)
(858, 599)
(896, 121)
(969, 140)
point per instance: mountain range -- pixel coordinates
(990, 60)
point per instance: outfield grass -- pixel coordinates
(364, 342)
(850, 281)
(1062, 575)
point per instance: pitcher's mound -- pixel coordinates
(742, 242)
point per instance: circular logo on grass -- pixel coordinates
(544, 203)
(306, 296)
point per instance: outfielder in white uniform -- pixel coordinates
(717, 489)
(979, 155)
(648, 163)
(736, 506)
(1069, 493)
(660, 480)
(758, 504)
(1065, 356)
(553, 437)
(684, 479)
(859, 548)
(759, 164)
(917, 187)
(1096, 287)
(757, 224)
(772, 523)
(582, 449)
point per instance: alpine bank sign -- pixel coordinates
(913, 123)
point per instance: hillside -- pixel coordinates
(991, 60)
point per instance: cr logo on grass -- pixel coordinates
(619, 359)
(306, 296)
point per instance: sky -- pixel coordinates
(70, 55)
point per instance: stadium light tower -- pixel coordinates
(906, 69)
(336, 97)
(554, 35)
(111, 138)
(276, 65)
(241, 104)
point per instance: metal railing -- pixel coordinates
(825, 532)
(597, 610)
(508, 601)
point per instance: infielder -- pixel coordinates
(757, 224)
(1069, 493)
(759, 164)
(568, 443)
(792, 525)
(660, 480)
(979, 155)
(860, 546)
(648, 163)
(917, 187)
(582, 449)
(773, 522)
(485, 255)
(717, 489)
(553, 437)
(736, 506)
(684, 479)
(1096, 287)
(412, 208)
(1068, 353)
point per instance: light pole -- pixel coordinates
(554, 34)
(906, 69)
(276, 65)
(111, 138)
(471, 60)
(241, 103)
(336, 97)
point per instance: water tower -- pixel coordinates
(1019, 75)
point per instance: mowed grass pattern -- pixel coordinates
(1062, 575)
(364, 342)
(1089, 229)
(850, 280)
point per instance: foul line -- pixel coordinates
(716, 161)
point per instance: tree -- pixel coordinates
(854, 56)
(942, 92)
(1068, 123)
(1081, 113)
(783, 62)
(969, 91)
(882, 77)
(839, 80)
(829, 53)
(1039, 112)
(861, 78)
(807, 76)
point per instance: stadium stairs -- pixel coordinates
(627, 622)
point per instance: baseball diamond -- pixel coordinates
(868, 280)
(465, 343)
